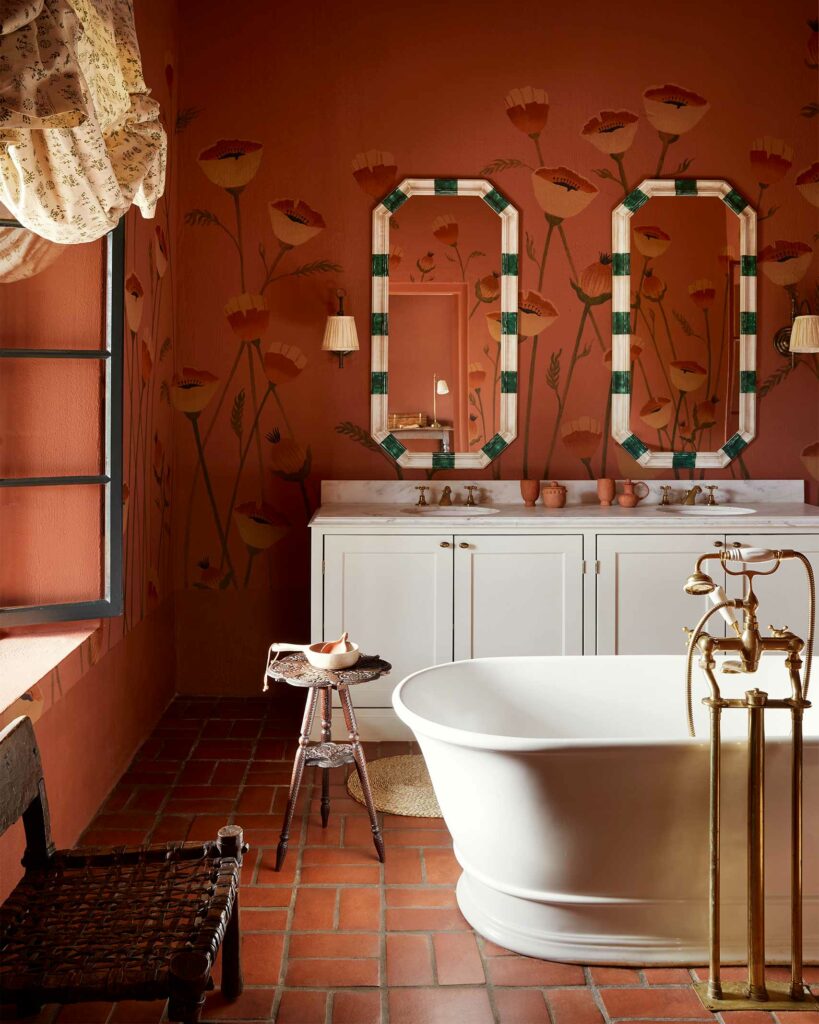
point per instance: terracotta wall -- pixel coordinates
(93, 711)
(299, 117)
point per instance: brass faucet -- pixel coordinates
(690, 496)
(446, 496)
(470, 501)
(421, 500)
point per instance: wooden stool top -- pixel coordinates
(296, 670)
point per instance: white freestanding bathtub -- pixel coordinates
(578, 806)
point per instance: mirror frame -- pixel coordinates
(379, 322)
(621, 324)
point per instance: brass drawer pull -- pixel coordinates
(463, 544)
(445, 544)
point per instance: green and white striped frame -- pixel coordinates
(621, 324)
(379, 319)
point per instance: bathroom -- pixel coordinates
(281, 130)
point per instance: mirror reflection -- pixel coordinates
(685, 260)
(444, 365)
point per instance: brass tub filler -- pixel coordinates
(749, 645)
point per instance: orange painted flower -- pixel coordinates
(493, 323)
(375, 172)
(231, 163)
(672, 109)
(426, 264)
(134, 301)
(650, 241)
(445, 229)
(562, 193)
(248, 316)
(535, 314)
(611, 131)
(395, 257)
(687, 375)
(595, 280)
(702, 293)
(705, 414)
(654, 287)
(283, 363)
(487, 289)
(656, 413)
(771, 159)
(477, 374)
(785, 263)
(528, 110)
(160, 247)
(810, 459)
(293, 222)
(146, 362)
(807, 182)
(259, 524)
(581, 436)
(210, 577)
(288, 458)
(191, 390)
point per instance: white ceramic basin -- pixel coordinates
(707, 510)
(449, 510)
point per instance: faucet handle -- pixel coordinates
(421, 498)
(711, 500)
(470, 501)
(666, 498)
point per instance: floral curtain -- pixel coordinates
(80, 138)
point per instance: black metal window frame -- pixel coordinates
(111, 355)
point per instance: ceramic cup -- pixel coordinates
(606, 489)
(529, 490)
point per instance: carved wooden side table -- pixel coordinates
(297, 671)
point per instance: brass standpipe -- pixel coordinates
(749, 646)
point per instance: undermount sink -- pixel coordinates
(707, 510)
(449, 510)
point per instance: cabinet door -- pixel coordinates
(518, 595)
(641, 605)
(783, 596)
(394, 597)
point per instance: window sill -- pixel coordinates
(29, 653)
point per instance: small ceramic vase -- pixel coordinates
(529, 490)
(606, 489)
(629, 498)
(554, 494)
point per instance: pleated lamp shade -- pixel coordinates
(805, 335)
(340, 335)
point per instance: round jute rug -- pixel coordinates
(400, 785)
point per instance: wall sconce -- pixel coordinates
(439, 387)
(804, 336)
(783, 339)
(340, 335)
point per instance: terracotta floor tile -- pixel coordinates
(615, 976)
(315, 856)
(573, 1006)
(84, 1013)
(253, 1004)
(334, 945)
(752, 1017)
(262, 957)
(356, 1008)
(441, 867)
(403, 867)
(173, 829)
(359, 909)
(138, 1012)
(490, 949)
(409, 960)
(315, 909)
(401, 821)
(222, 750)
(341, 874)
(266, 896)
(667, 976)
(418, 897)
(302, 1008)
(256, 800)
(523, 970)
(657, 1002)
(206, 826)
(419, 837)
(409, 919)
(254, 920)
(439, 1006)
(457, 959)
(521, 1006)
(114, 837)
(228, 771)
(148, 799)
(332, 973)
(266, 873)
(330, 836)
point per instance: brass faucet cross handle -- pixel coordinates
(711, 500)
(470, 501)
(421, 499)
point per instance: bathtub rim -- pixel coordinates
(532, 744)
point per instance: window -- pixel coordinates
(61, 370)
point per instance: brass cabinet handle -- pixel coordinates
(718, 544)
(463, 544)
(445, 544)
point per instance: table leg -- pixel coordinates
(295, 779)
(361, 767)
(326, 735)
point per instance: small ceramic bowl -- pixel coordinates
(344, 659)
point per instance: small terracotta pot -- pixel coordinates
(606, 489)
(529, 491)
(554, 494)
(630, 497)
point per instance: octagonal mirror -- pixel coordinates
(444, 378)
(684, 382)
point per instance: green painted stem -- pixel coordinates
(254, 429)
(269, 278)
(573, 269)
(589, 470)
(553, 222)
(483, 418)
(529, 397)
(565, 395)
(536, 139)
(606, 432)
(194, 418)
(676, 419)
(251, 554)
(235, 193)
(708, 391)
(253, 395)
(618, 159)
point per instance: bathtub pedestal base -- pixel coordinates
(734, 998)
